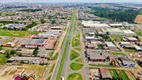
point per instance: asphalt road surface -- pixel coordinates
(55, 72)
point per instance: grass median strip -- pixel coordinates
(79, 60)
(76, 66)
(51, 70)
(63, 59)
(75, 76)
(55, 57)
(74, 55)
(68, 35)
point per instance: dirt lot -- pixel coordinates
(7, 72)
(139, 19)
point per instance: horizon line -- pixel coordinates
(73, 2)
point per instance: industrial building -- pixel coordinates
(32, 43)
(105, 74)
(15, 26)
(94, 24)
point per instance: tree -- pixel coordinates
(7, 53)
(108, 58)
(53, 22)
(43, 21)
(19, 54)
(12, 52)
(35, 52)
(1, 46)
(22, 62)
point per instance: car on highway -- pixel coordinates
(62, 78)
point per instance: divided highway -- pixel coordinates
(62, 63)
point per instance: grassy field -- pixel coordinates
(119, 74)
(140, 13)
(3, 59)
(15, 33)
(130, 50)
(77, 49)
(74, 55)
(79, 60)
(76, 40)
(119, 54)
(139, 33)
(101, 65)
(140, 38)
(130, 75)
(116, 38)
(76, 66)
(38, 70)
(51, 70)
(114, 74)
(48, 78)
(75, 76)
(68, 35)
(55, 57)
(122, 75)
(7, 14)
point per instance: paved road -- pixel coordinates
(66, 64)
(55, 72)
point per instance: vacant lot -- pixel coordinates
(114, 74)
(75, 76)
(130, 75)
(119, 54)
(139, 19)
(118, 74)
(3, 59)
(15, 33)
(34, 69)
(122, 75)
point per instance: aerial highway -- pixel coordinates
(61, 65)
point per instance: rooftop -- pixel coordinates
(105, 73)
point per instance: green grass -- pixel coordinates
(75, 76)
(130, 50)
(116, 38)
(79, 60)
(55, 57)
(140, 38)
(48, 78)
(76, 40)
(7, 14)
(139, 33)
(74, 55)
(68, 35)
(122, 75)
(3, 59)
(114, 74)
(77, 49)
(14, 33)
(101, 65)
(76, 66)
(119, 54)
(130, 75)
(140, 13)
(52, 67)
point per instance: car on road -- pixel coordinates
(62, 78)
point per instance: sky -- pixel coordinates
(60, 1)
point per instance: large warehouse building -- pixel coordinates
(32, 43)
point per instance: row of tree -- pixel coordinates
(10, 53)
(116, 14)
